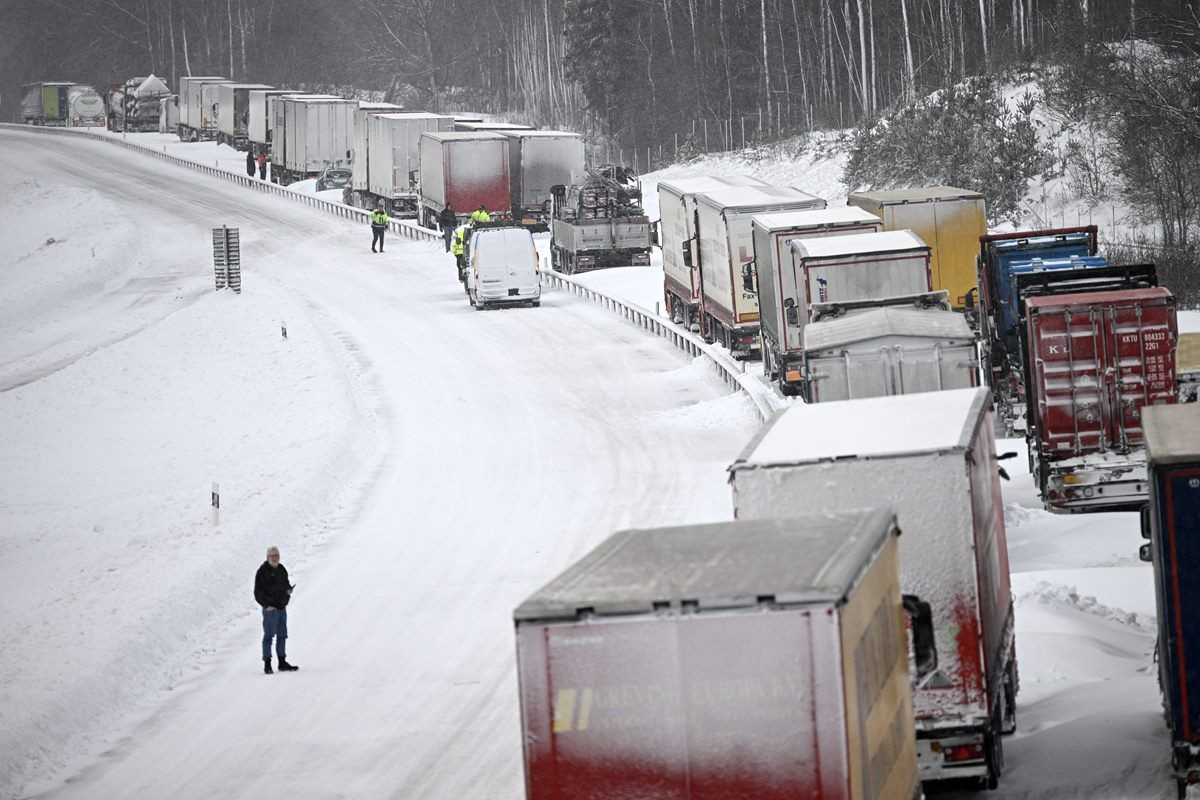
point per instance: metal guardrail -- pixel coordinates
(766, 402)
(337, 209)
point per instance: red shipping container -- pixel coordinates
(1095, 359)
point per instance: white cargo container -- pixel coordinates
(677, 239)
(359, 155)
(894, 349)
(390, 166)
(464, 171)
(315, 134)
(782, 348)
(728, 293)
(233, 113)
(258, 119)
(198, 97)
(863, 266)
(276, 120)
(932, 459)
(538, 160)
(168, 114)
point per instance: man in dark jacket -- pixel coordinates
(449, 221)
(250, 163)
(272, 591)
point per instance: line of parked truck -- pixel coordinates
(416, 164)
(413, 164)
(780, 637)
(768, 657)
(905, 291)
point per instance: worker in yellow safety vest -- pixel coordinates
(379, 223)
(458, 247)
(480, 215)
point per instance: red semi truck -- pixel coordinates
(465, 171)
(1094, 360)
(759, 660)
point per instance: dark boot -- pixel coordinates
(284, 666)
(267, 666)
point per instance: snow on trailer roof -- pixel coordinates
(813, 218)
(524, 134)
(919, 194)
(412, 115)
(370, 105)
(477, 136)
(249, 86)
(859, 244)
(888, 321)
(702, 183)
(873, 427)
(1172, 433)
(815, 559)
(751, 197)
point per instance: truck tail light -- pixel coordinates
(794, 375)
(963, 752)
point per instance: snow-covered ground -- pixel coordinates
(422, 467)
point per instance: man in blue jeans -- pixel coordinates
(272, 591)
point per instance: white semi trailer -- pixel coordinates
(728, 285)
(779, 326)
(677, 239)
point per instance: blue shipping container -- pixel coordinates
(1172, 523)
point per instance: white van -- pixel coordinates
(504, 268)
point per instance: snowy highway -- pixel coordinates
(423, 468)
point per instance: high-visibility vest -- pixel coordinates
(457, 244)
(479, 215)
(379, 217)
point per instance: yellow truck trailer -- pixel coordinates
(1187, 366)
(949, 220)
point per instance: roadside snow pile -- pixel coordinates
(1048, 593)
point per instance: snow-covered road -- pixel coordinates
(423, 467)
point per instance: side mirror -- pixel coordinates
(687, 256)
(1007, 456)
(924, 647)
(1144, 553)
(969, 299)
(1145, 519)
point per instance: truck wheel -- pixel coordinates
(786, 389)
